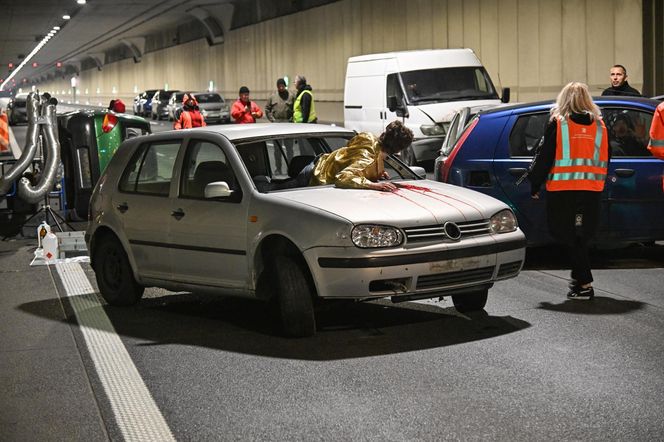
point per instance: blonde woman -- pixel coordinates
(573, 163)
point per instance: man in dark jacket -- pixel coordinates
(619, 85)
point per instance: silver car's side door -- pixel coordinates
(208, 236)
(143, 204)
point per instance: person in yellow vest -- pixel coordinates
(304, 110)
(573, 162)
(656, 145)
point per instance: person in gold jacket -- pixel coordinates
(359, 165)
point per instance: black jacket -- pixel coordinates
(624, 90)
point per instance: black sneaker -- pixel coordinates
(581, 294)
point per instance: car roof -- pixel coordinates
(604, 100)
(263, 130)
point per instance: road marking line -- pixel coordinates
(137, 415)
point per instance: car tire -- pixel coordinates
(470, 302)
(114, 275)
(296, 309)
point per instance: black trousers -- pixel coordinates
(573, 217)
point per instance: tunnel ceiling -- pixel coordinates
(103, 31)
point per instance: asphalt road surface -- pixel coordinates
(533, 366)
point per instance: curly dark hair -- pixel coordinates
(395, 138)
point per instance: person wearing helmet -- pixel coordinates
(190, 115)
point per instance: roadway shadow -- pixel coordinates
(344, 331)
(600, 305)
(635, 256)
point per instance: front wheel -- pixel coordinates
(294, 299)
(114, 275)
(470, 302)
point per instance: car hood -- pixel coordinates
(444, 112)
(212, 106)
(421, 202)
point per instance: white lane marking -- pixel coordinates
(136, 413)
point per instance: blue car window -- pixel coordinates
(526, 134)
(628, 132)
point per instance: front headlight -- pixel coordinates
(204, 112)
(372, 236)
(431, 130)
(503, 222)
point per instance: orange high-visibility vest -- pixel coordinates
(656, 145)
(582, 157)
(4, 133)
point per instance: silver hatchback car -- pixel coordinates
(189, 210)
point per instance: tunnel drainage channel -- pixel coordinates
(136, 413)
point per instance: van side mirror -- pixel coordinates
(394, 105)
(506, 95)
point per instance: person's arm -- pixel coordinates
(269, 109)
(256, 111)
(305, 103)
(545, 159)
(238, 110)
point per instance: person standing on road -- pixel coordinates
(189, 116)
(573, 161)
(304, 110)
(244, 110)
(619, 85)
(656, 145)
(279, 109)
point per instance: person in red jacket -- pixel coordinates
(244, 110)
(656, 145)
(189, 116)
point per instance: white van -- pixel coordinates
(424, 88)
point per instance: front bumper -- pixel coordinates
(424, 272)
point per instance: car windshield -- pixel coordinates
(209, 98)
(448, 84)
(280, 160)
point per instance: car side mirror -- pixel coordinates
(419, 171)
(399, 107)
(217, 189)
(506, 95)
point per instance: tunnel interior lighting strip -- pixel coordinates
(40, 45)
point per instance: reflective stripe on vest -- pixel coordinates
(656, 145)
(4, 133)
(297, 108)
(570, 172)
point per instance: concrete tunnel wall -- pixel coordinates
(533, 46)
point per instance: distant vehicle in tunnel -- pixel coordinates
(141, 99)
(16, 109)
(174, 105)
(88, 140)
(159, 102)
(213, 107)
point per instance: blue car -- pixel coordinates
(490, 150)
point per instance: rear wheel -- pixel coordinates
(470, 302)
(114, 275)
(294, 299)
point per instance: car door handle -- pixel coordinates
(517, 171)
(177, 214)
(624, 173)
(122, 207)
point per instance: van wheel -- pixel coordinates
(470, 302)
(296, 307)
(114, 275)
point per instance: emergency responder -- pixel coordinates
(244, 110)
(189, 116)
(573, 161)
(304, 110)
(656, 145)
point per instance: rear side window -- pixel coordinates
(628, 132)
(151, 169)
(526, 134)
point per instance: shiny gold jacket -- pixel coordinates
(353, 166)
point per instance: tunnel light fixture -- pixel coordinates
(29, 56)
(80, 2)
(56, 28)
(66, 17)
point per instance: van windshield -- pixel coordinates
(448, 84)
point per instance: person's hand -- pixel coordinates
(535, 196)
(384, 175)
(383, 186)
(247, 109)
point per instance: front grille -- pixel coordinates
(454, 278)
(509, 268)
(437, 232)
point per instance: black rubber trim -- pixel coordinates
(184, 247)
(387, 261)
(353, 106)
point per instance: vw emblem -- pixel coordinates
(452, 231)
